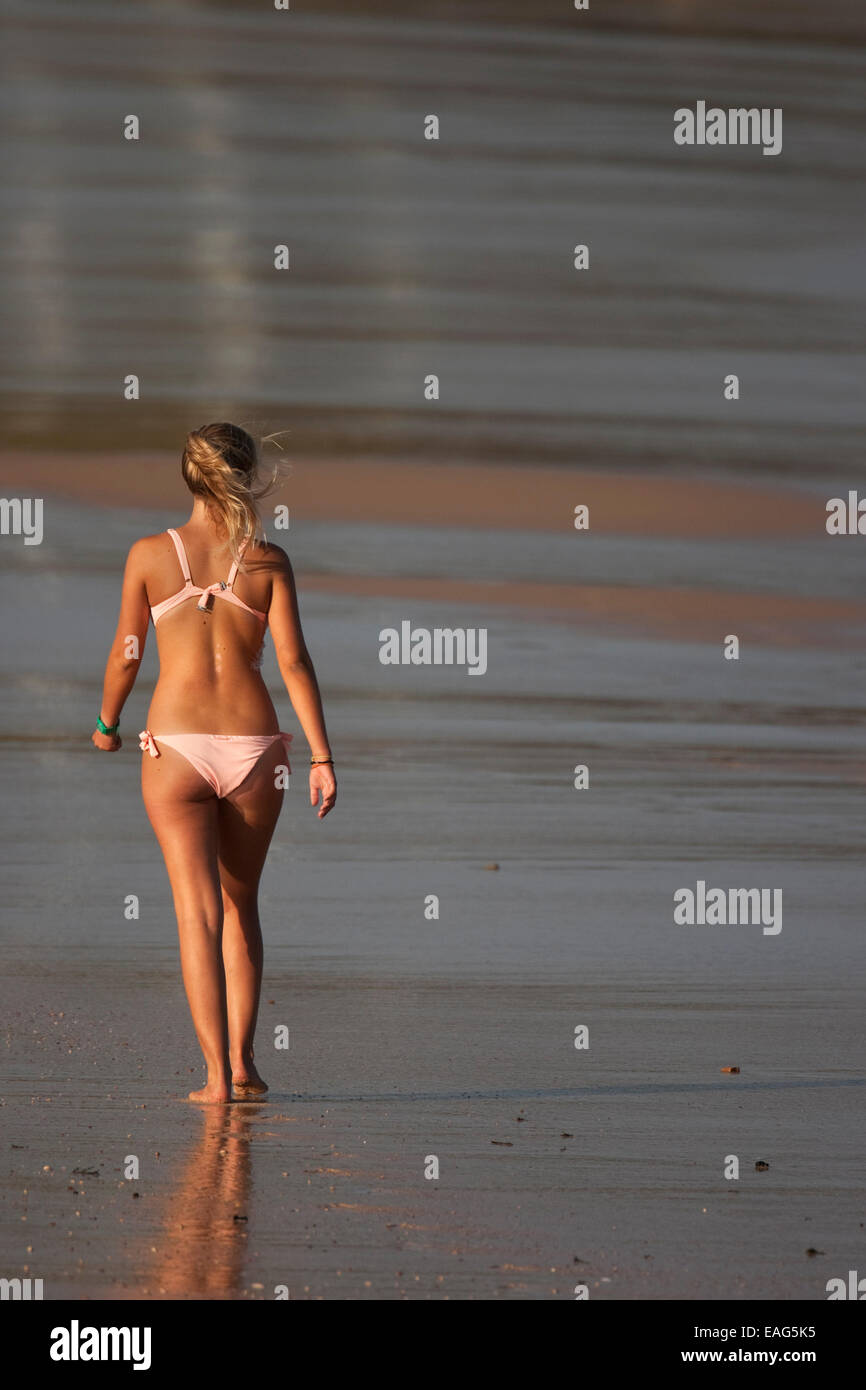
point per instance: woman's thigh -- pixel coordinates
(182, 809)
(247, 820)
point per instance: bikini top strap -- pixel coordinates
(181, 554)
(234, 569)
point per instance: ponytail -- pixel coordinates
(220, 464)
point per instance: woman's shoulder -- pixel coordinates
(268, 555)
(147, 548)
(158, 539)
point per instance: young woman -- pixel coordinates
(215, 761)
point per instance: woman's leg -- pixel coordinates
(182, 809)
(247, 820)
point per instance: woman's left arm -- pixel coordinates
(127, 649)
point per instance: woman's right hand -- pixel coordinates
(323, 781)
(106, 743)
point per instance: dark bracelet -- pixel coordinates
(318, 762)
(104, 728)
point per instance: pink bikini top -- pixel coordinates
(217, 590)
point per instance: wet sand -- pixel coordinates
(554, 1168)
(449, 494)
(451, 1037)
(506, 499)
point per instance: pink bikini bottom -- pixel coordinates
(224, 760)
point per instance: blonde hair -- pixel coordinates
(221, 464)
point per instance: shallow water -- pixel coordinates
(454, 257)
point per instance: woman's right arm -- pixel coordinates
(124, 659)
(298, 673)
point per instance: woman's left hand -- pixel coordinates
(323, 783)
(106, 743)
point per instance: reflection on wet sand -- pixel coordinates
(205, 1221)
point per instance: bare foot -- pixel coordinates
(246, 1081)
(212, 1094)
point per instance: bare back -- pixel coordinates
(209, 680)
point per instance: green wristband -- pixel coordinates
(104, 729)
